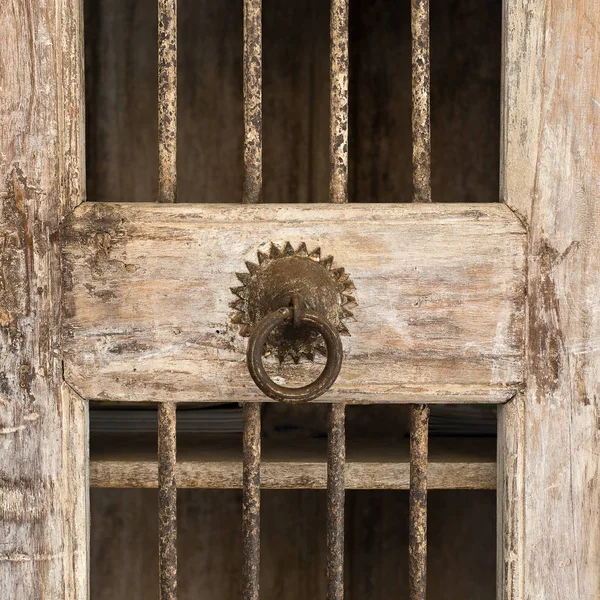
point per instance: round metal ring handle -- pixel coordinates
(308, 392)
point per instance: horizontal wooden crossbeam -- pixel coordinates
(215, 461)
(438, 314)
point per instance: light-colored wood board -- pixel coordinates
(215, 462)
(511, 501)
(440, 292)
(551, 178)
(43, 445)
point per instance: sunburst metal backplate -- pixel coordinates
(269, 285)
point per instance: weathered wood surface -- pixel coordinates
(439, 291)
(124, 533)
(43, 446)
(510, 522)
(551, 177)
(215, 462)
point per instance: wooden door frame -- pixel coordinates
(43, 425)
(548, 484)
(548, 465)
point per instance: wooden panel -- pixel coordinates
(124, 534)
(439, 290)
(215, 462)
(121, 100)
(551, 177)
(465, 100)
(43, 444)
(122, 89)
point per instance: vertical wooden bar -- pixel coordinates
(421, 126)
(167, 500)
(253, 143)
(339, 101)
(336, 463)
(417, 532)
(251, 501)
(167, 100)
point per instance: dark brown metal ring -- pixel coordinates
(305, 393)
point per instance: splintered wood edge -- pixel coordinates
(497, 216)
(422, 394)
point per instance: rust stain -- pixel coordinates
(417, 532)
(251, 501)
(167, 100)
(421, 125)
(336, 465)
(167, 501)
(339, 102)
(269, 284)
(253, 141)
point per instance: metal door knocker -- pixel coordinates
(293, 304)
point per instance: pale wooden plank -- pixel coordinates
(43, 456)
(551, 177)
(510, 522)
(215, 462)
(439, 290)
(76, 458)
(71, 105)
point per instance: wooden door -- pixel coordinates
(132, 301)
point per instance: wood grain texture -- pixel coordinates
(461, 535)
(510, 522)
(551, 177)
(215, 462)
(43, 444)
(439, 291)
